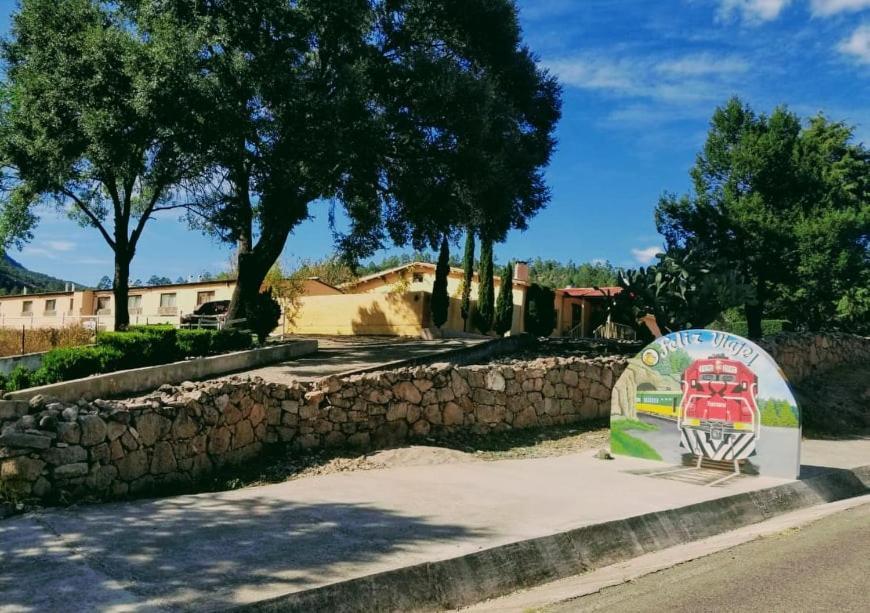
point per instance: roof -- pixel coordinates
(590, 292)
(411, 265)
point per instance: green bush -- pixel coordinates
(20, 378)
(77, 362)
(231, 339)
(263, 315)
(769, 327)
(195, 343)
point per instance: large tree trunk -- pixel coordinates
(121, 288)
(754, 314)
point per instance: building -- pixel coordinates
(397, 302)
(580, 310)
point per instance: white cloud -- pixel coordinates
(60, 245)
(688, 78)
(752, 11)
(826, 8)
(646, 255)
(858, 44)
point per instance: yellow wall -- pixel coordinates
(398, 281)
(363, 314)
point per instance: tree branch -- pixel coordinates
(90, 215)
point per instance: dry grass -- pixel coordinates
(42, 339)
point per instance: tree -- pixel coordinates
(264, 315)
(154, 280)
(440, 297)
(485, 288)
(335, 101)
(541, 311)
(104, 283)
(97, 119)
(286, 289)
(558, 275)
(783, 205)
(467, 276)
(332, 270)
(504, 306)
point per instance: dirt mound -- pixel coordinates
(418, 455)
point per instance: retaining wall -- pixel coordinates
(802, 355)
(105, 449)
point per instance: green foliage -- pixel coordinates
(785, 204)
(769, 327)
(195, 343)
(504, 306)
(484, 313)
(557, 275)
(674, 363)
(229, 339)
(622, 443)
(682, 291)
(541, 311)
(440, 297)
(779, 414)
(78, 362)
(467, 276)
(264, 315)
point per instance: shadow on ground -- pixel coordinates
(195, 552)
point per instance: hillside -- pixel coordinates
(14, 277)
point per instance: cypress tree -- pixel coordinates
(485, 288)
(504, 307)
(440, 298)
(468, 272)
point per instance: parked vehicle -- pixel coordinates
(208, 314)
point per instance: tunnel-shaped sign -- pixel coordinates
(707, 399)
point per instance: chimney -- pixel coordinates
(521, 272)
(24, 290)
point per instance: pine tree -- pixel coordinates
(468, 276)
(485, 288)
(504, 307)
(440, 298)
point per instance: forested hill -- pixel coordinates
(14, 278)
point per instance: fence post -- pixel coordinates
(22, 338)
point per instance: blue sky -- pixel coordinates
(641, 80)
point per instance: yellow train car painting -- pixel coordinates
(660, 403)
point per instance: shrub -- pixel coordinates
(230, 339)
(541, 314)
(77, 362)
(263, 315)
(196, 343)
(769, 327)
(20, 378)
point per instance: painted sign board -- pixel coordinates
(707, 398)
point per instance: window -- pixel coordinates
(167, 300)
(418, 277)
(167, 305)
(27, 307)
(50, 307)
(70, 306)
(203, 297)
(134, 304)
(104, 305)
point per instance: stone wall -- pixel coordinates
(801, 355)
(109, 449)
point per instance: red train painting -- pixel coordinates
(719, 417)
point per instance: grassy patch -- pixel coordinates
(622, 443)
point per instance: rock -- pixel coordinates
(184, 425)
(397, 411)
(133, 466)
(258, 414)
(114, 430)
(22, 467)
(453, 415)
(41, 488)
(68, 471)
(151, 427)
(407, 391)
(219, 441)
(424, 385)
(244, 434)
(93, 430)
(65, 455)
(495, 381)
(100, 453)
(48, 422)
(24, 440)
(603, 454)
(69, 432)
(101, 477)
(163, 460)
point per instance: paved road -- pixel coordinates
(820, 567)
(339, 355)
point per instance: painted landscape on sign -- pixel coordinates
(706, 397)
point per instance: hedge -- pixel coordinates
(769, 327)
(140, 346)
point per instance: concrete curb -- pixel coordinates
(149, 378)
(462, 581)
(459, 357)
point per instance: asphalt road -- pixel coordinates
(820, 567)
